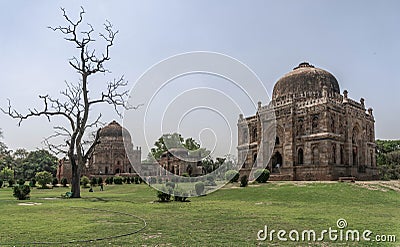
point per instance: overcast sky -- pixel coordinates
(357, 41)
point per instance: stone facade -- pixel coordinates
(320, 133)
(110, 157)
(178, 161)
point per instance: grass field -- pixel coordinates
(231, 216)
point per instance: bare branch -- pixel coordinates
(92, 147)
(75, 104)
(35, 113)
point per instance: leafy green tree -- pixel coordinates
(43, 178)
(175, 140)
(3, 147)
(6, 159)
(388, 158)
(6, 173)
(19, 157)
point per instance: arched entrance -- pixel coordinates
(117, 171)
(276, 162)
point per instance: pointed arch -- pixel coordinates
(300, 156)
(315, 155)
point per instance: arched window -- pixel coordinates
(300, 156)
(315, 155)
(314, 124)
(277, 141)
(341, 154)
(255, 159)
(355, 156)
(255, 134)
(334, 153)
(355, 135)
(333, 124)
(371, 153)
(300, 127)
(245, 131)
(276, 161)
(106, 170)
(371, 135)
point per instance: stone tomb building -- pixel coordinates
(110, 157)
(321, 134)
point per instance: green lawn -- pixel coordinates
(231, 216)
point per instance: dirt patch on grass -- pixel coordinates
(149, 236)
(29, 203)
(380, 185)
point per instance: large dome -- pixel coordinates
(305, 78)
(114, 129)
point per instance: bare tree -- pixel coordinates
(74, 104)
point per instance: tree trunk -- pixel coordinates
(75, 183)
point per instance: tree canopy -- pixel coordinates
(175, 140)
(388, 158)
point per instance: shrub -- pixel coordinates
(84, 181)
(170, 184)
(93, 181)
(21, 181)
(1, 183)
(153, 180)
(109, 180)
(43, 178)
(162, 196)
(179, 195)
(192, 179)
(232, 176)
(64, 182)
(159, 180)
(185, 175)
(210, 178)
(54, 182)
(208, 183)
(118, 180)
(244, 181)
(11, 182)
(199, 187)
(99, 180)
(184, 179)
(128, 180)
(261, 175)
(32, 183)
(21, 192)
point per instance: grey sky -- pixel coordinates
(357, 41)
